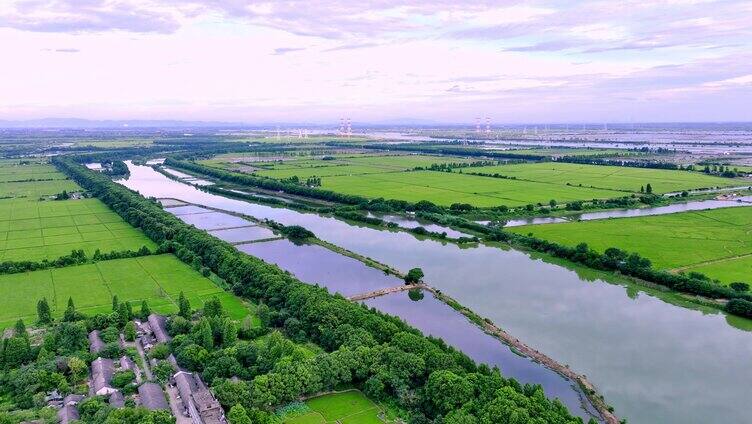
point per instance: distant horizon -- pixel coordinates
(83, 123)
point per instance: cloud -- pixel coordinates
(284, 50)
(352, 47)
(65, 50)
(86, 16)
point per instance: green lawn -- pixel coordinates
(445, 188)
(688, 240)
(158, 279)
(609, 177)
(35, 230)
(351, 407)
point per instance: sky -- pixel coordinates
(377, 61)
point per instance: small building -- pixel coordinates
(68, 414)
(158, 325)
(95, 342)
(102, 370)
(54, 399)
(73, 399)
(152, 396)
(198, 402)
(117, 400)
(127, 363)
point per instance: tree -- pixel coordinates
(648, 189)
(202, 334)
(70, 311)
(552, 203)
(448, 391)
(414, 276)
(184, 306)
(115, 303)
(238, 415)
(123, 316)
(130, 331)
(739, 286)
(145, 310)
(163, 370)
(213, 307)
(43, 311)
(78, 369)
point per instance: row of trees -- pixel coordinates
(403, 363)
(76, 257)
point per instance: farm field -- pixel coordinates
(36, 230)
(445, 188)
(567, 152)
(351, 407)
(609, 177)
(16, 180)
(345, 165)
(704, 241)
(158, 279)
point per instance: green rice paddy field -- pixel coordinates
(35, 230)
(158, 279)
(715, 242)
(445, 188)
(609, 177)
(351, 407)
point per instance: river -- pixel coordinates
(654, 361)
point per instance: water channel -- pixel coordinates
(654, 361)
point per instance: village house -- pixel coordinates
(152, 397)
(95, 342)
(102, 370)
(198, 402)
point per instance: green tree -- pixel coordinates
(648, 189)
(202, 334)
(739, 286)
(184, 306)
(43, 312)
(414, 276)
(447, 391)
(130, 331)
(123, 316)
(145, 310)
(163, 371)
(552, 203)
(115, 303)
(78, 369)
(238, 415)
(213, 307)
(70, 311)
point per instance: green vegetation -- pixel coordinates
(713, 242)
(608, 177)
(443, 188)
(350, 407)
(157, 279)
(35, 230)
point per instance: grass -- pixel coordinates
(342, 165)
(158, 279)
(35, 230)
(445, 188)
(705, 241)
(609, 177)
(350, 407)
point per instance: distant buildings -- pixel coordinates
(68, 412)
(152, 397)
(102, 370)
(158, 325)
(198, 402)
(95, 342)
